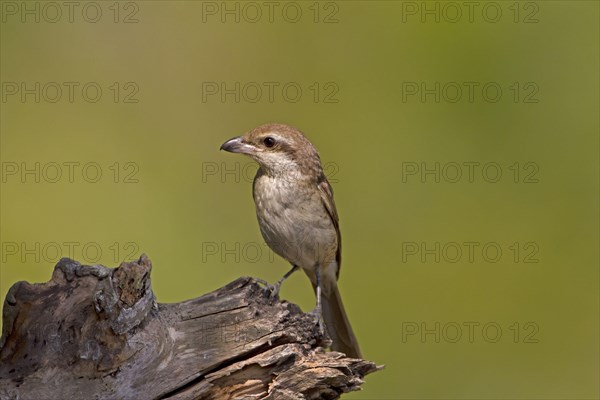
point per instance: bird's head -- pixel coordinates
(279, 150)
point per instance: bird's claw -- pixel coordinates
(272, 289)
(317, 314)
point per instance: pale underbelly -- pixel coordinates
(298, 231)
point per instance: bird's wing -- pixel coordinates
(326, 192)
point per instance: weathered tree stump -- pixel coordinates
(94, 332)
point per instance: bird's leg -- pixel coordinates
(275, 288)
(318, 312)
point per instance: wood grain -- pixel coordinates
(94, 332)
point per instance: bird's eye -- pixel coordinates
(269, 141)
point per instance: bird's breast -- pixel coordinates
(294, 221)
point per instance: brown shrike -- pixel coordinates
(298, 219)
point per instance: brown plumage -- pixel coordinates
(298, 218)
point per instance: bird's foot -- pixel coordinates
(272, 289)
(318, 315)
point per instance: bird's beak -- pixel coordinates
(236, 145)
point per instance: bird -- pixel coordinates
(298, 218)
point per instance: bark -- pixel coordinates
(94, 332)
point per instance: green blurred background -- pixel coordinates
(166, 190)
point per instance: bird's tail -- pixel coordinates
(338, 325)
